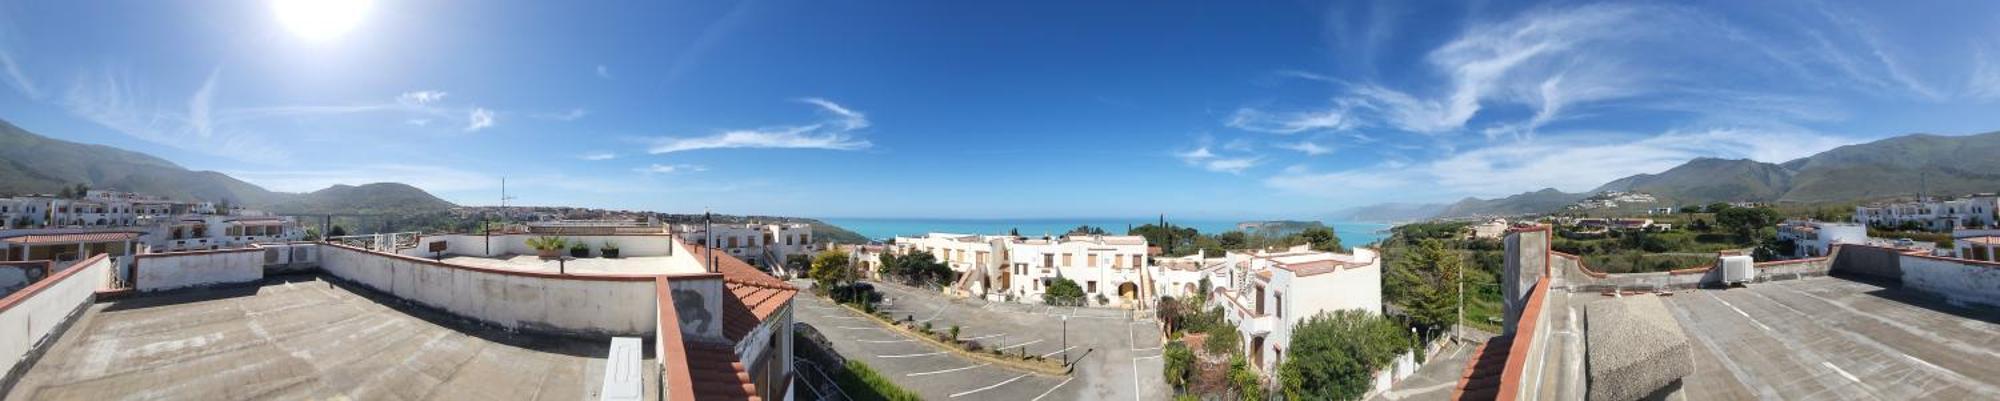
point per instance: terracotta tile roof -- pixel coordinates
(61, 239)
(717, 374)
(1481, 380)
(755, 295)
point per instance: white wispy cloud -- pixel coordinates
(599, 156)
(16, 78)
(110, 98)
(420, 98)
(1308, 147)
(1206, 159)
(670, 168)
(603, 72)
(479, 118)
(1250, 119)
(570, 115)
(834, 134)
(1576, 162)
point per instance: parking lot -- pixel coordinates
(1117, 357)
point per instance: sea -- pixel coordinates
(1351, 233)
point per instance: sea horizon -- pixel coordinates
(1351, 233)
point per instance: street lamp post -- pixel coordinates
(1065, 339)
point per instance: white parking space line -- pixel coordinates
(1753, 320)
(911, 355)
(989, 387)
(1146, 357)
(934, 316)
(860, 328)
(1059, 351)
(984, 337)
(947, 370)
(1053, 389)
(1017, 345)
(845, 317)
(882, 341)
(1843, 373)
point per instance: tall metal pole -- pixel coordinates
(1065, 338)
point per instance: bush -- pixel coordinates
(865, 384)
(1224, 342)
(954, 332)
(1063, 292)
(1335, 355)
(1179, 364)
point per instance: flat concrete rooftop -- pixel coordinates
(1831, 338)
(303, 337)
(627, 265)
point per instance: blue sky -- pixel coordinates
(991, 109)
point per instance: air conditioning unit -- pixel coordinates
(1738, 269)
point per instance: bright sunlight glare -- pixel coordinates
(320, 20)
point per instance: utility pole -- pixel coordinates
(1461, 297)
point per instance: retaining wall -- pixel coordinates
(594, 306)
(167, 271)
(39, 313)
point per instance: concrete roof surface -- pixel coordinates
(303, 338)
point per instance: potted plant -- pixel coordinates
(547, 247)
(610, 250)
(579, 249)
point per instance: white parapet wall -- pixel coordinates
(175, 270)
(594, 305)
(629, 245)
(30, 317)
(1959, 281)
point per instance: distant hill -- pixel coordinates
(378, 198)
(1899, 167)
(31, 163)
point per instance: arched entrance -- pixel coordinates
(1128, 291)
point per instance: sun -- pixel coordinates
(320, 20)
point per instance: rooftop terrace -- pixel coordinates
(303, 337)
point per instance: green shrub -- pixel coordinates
(864, 383)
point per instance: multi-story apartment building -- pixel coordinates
(1816, 238)
(1978, 211)
(758, 244)
(1270, 292)
(1110, 268)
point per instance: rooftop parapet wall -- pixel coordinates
(1576, 276)
(40, 312)
(586, 305)
(176, 270)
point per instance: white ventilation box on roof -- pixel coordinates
(1738, 269)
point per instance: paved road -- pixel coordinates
(1117, 357)
(1434, 380)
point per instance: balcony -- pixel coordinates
(1260, 325)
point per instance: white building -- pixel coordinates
(1274, 291)
(1110, 268)
(1815, 239)
(1491, 229)
(758, 244)
(1971, 212)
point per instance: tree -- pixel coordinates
(337, 231)
(1425, 283)
(1063, 292)
(67, 192)
(1014, 231)
(1223, 340)
(831, 268)
(1169, 313)
(797, 262)
(1717, 207)
(1179, 364)
(1322, 239)
(1087, 230)
(1233, 240)
(1334, 356)
(1746, 221)
(1249, 386)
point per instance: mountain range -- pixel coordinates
(1897, 167)
(31, 164)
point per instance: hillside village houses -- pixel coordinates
(1977, 211)
(47, 227)
(759, 244)
(1266, 293)
(1110, 268)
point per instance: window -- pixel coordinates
(1278, 304)
(1117, 262)
(1260, 300)
(1136, 263)
(1066, 260)
(1090, 260)
(1093, 287)
(1048, 259)
(732, 242)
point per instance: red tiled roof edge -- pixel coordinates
(1517, 355)
(51, 280)
(671, 350)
